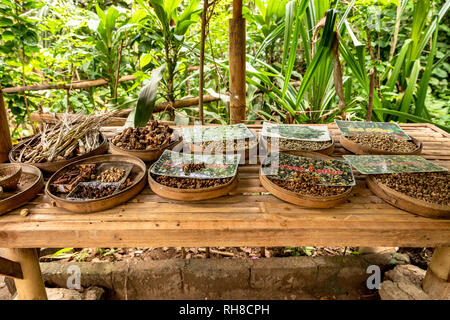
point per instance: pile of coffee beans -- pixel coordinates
(303, 187)
(290, 144)
(190, 183)
(433, 187)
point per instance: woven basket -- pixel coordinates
(10, 176)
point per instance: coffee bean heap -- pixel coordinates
(91, 192)
(192, 167)
(290, 144)
(190, 183)
(431, 187)
(306, 184)
(153, 136)
(111, 175)
(383, 142)
(222, 145)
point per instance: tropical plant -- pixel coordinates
(169, 31)
(313, 100)
(402, 92)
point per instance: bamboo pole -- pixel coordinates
(74, 85)
(5, 141)
(437, 278)
(236, 52)
(202, 60)
(47, 117)
(31, 287)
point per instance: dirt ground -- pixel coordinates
(419, 256)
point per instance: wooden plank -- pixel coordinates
(10, 268)
(248, 216)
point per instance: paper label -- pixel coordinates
(198, 134)
(216, 166)
(379, 164)
(285, 166)
(354, 127)
(296, 132)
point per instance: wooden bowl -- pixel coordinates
(85, 206)
(301, 199)
(358, 148)
(30, 184)
(405, 202)
(145, 155)
(10, 175)
(327, 150)
(57, 165)
(191, 194)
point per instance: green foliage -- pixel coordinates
(288, 71)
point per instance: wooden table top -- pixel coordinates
(249, 216)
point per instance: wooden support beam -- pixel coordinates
(10, 268)
(67, 86)
(5, 141)
(437, 278)
(31, 287)
(236, 52)
(120, 121)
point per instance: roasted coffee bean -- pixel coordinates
(433, 187)
(221, 146)
(304, 186)
(190, 183)
(290, 144)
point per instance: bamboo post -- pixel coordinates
(202, 61)
(437, 278)
(31, 287)
(5, 141)
(236, 52)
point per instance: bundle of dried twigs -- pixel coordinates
(71, 136)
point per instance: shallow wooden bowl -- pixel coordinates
(54, 166)
(30, 184)
(327, 150)
(9, 175)
(191, 194)
(85, 206)
(145, 155)
(300, 199)
(405, 202)
(303, 200)
(358, 148)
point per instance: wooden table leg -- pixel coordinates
(31, 287)
(437, 278)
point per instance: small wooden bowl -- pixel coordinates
(145, 155)
(9, 176)
(31, 183)
(301, 199)
(327, 150)
(358, 148)
(86, 206)
(54, 166)
(405, 202)
(191, 194)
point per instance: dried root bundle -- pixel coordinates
(72, 136)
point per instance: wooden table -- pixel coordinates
(249, 216)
